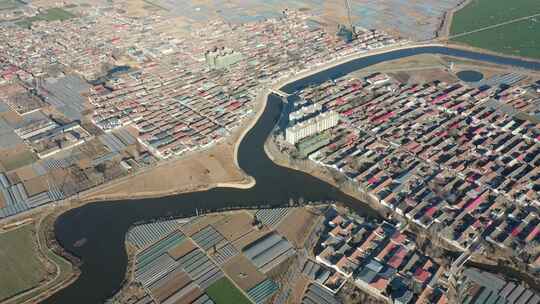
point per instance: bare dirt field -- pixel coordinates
(243, 272)
(235, 225)
(298, 290)
(422, 61)
(36, 185)
(180, 279)
(297, 225)
(422, 76)
(202, 222)
(427, 67)
(16, 157)
(194, 172)
(182, 249)
(26, 173)
(11, 117)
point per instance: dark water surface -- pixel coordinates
(104, 225)
(470, 76)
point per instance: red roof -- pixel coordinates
(397, 258)
(431, 211)
(421, 275)
(380, 283)
(477, 201)
(533, 234)
(373, 180)
(399, 237)
(442, 300)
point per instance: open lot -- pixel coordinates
(190, 173)
(182, 249)
(518, 38)
(243, 272)
(201, 222)
(20, 268)
(224, 292)
(297, 225)
(17, 157)
(235, 226)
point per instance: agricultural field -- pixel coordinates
(243, 272)
(224, 292)
(20, 268)
(9, 4)
(52, 14)
(516, 39)
(20, 156)
(519, 38)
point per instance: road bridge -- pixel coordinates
(280, 93)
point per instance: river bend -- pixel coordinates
(105, 224)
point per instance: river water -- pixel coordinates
(104, 225)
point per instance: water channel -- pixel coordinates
(104, 224)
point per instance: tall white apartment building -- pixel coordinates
(312, 126)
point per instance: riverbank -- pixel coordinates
(325, 174)
(64, 272)
(105, 225)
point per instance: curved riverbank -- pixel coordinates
(104, 225)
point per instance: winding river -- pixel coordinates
(104, 225)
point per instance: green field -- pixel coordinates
(20, 268)
(517, 39)
(224, 292)
(9, 4)
(52, 14)
(520, 38)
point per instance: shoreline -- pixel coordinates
(72, 203)
(248, 182)
(321, 174)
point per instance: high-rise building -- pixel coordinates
(312, 126)
(222, 58)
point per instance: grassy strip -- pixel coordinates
(224, 292)
(20, 267)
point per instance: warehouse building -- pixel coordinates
(268, 251)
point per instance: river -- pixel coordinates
(104, 224)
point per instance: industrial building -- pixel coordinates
(312, 126)
(269, 251)
(486, 287)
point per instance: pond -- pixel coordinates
(470, 76)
